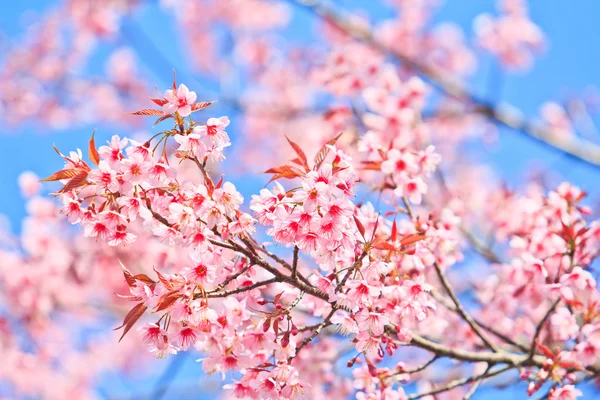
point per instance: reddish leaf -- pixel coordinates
(201, 105)
(267, 324)
(322, 154)
(92, 152)
(159, 102)
(360, 226)
(571, 365)
(64, 174)
(161, 119)
(371, 165)
(394, 231)
(297, 161)
(128, 277)
(410, 239)
(167, 300)
(381, 244)
(144, 278)
(129, 297)
(74, 183)
(300, 153)
(131, 318)
(210, 185)
(545, 350)
(148, 111)
(284, 171)
(219, 183)
(164, 280)
(277, 297)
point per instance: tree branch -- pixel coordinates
(503, 114)
(461, 310)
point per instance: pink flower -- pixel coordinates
(369, 344)
(346, 323)
(185, 337)
(567, 392)
(179, 100)
(371, 322)
(29, 183)
(215, 130)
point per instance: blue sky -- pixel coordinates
(569, 65)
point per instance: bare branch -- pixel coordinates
(461, 310)
(461, 382)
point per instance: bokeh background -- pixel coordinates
(568, 68)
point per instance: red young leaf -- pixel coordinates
(284, 171)
(167, 300)
(371, 165)
(297, 161)
(360, 226)
(148, 111)
(381, 244)
(410, 239)
(394, 231)
(161, 119)
(128, 277)
(201, 105)
(300, 153)
(322, 154)
(129, 297)
(64, 174)
(545, 350)
(219, 183)
(144, 278)
(210, 185)
(159, 102)
(277, 297)
(92, 152)
(77, 181)
(164, 280)
(131, 318)
(267, 324)
(571, 365)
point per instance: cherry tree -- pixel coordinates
(344, 276)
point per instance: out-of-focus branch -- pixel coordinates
(460, 382)
(460, 310)
(502, 114)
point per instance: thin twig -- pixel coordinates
(241, 289)
(461, 382)
(295, 262)
(461, 310)
(475, 386)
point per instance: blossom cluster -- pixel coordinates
(362, 250)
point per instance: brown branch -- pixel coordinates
(540, 326)
(481, 248)
(461, 382)
(420, 367)
(461, 310)
(315, 333)
(475, 386)
(241, 289)
(500, 357)
(446, 303)
(295, 262)
(503, 114)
